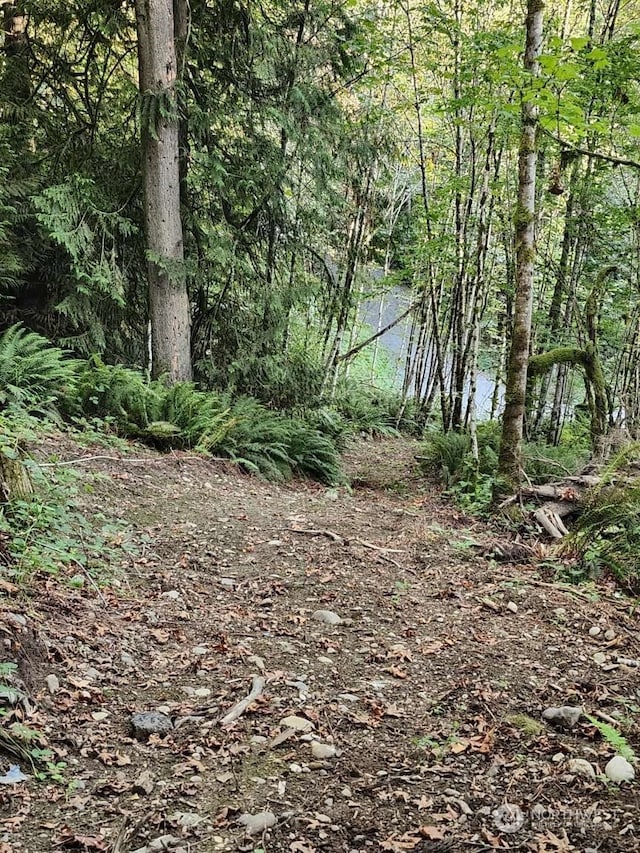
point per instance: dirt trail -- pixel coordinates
(423, 703)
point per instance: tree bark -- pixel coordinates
(509, 465)
(168, 298)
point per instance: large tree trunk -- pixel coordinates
(168, 298)
(509, 466)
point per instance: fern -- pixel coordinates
(607, 533)
(33, 373)
(613, 737)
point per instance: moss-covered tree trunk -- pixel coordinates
(509, 465)
(15, 482)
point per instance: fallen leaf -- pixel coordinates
(431, 832)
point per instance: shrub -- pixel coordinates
(606, 535)
(33, 374)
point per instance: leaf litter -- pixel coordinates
(398, 722)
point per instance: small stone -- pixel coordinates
(127, 660)
(326, 661)
(558, 758)
(346, 792)
(599, 658)
(187, 820)
(147, 723)
(258, 739)
(77, 581)
(295, 768)
(199, 651)
(512, 606)
(594, 630)
(581, 767)
(202, 692)
(619, 770)
(257, 661)
(256, 823)
(560, 613)
(228, 582)
(564, 717)
(172, 594)
(16, 619)
(300, 724)
(92, 673)
(99, 716)
(327, 616)
(610, 634)
(53, 683)
(322, 751)
(144, 784)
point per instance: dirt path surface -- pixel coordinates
(414, 723)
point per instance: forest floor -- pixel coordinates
(414, 724)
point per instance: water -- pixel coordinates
(394, 344)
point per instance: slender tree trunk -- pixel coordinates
(168, 298)
(509, 465)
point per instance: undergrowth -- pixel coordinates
(471, 481)
(606, 536)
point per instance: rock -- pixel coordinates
(16, 619)
(558, 758)
(171, 594)
(99, 716)
(564, 717)
(581, 767)
(323, 750)
(327, 616)
(594, 631)
(202, 692)
(610, 634)
(13, 776)
(144, 784)
(53, 683)
(163, 842)
(256, 823)
(199, 651)
(187, 820)
(91, 673)
(147, 723)
(512, 606)
(300, 724)
(295, 768)
(599, 658)
(127, 660)
(257, 661)
(619, 770)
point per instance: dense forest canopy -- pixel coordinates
(316, 142)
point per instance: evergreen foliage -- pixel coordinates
(33, 373)
(606, 536)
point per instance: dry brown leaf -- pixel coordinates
(431, 832)
(396, 844)
(397, 672)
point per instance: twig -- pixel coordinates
(139, 461)
(238, 710)
(328, 533)
(373, 547)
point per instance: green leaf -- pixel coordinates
(579, 43)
